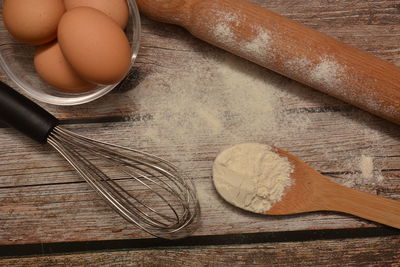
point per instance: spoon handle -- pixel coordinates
(289, 48)
(364, 205)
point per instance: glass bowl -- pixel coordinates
(16, 60)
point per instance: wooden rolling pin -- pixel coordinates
(289, 48)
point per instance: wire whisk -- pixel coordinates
(146, 190)
(159, 201)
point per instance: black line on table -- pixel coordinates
(166, 48)
(86, 121)
(55, 184)
(147, 117)
(338, 173)
(390, 170)
(384, 157)
(330, 109)
(94, 120)
(110, 119)
(335, 173)
(40, 185)
(196, 241)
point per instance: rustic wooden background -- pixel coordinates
(48, 216)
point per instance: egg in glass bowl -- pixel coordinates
(17, 62)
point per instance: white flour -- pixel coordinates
(252, 176)
(222, 96)
(223, 29)
(258, 45)
(327, 73)
(366, 166)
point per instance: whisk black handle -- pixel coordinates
(24, 115)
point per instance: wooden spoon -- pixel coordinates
(311, 191)
(289, 48)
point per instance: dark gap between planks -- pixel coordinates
(337, 173)
(196, 241)
(87, 120)
(109, 119)
(147, 117)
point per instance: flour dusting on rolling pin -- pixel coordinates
(289, 48)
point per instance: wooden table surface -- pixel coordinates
(49, 217)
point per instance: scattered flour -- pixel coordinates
(367, 174)
(367, 166)
(327, 73)
(225, 31)
(299, 66)
(259, 47)
(226, 100)
(252, 176)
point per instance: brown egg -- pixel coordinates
(116, 9)
(52, 67)
(94, 45)
(32, 21)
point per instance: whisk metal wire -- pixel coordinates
(172, 199)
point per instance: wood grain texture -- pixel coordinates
(42, 199)
(345, 252)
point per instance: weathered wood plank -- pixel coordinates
(75, 213)
(45, 212)
(41, 195)
(343, 252)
